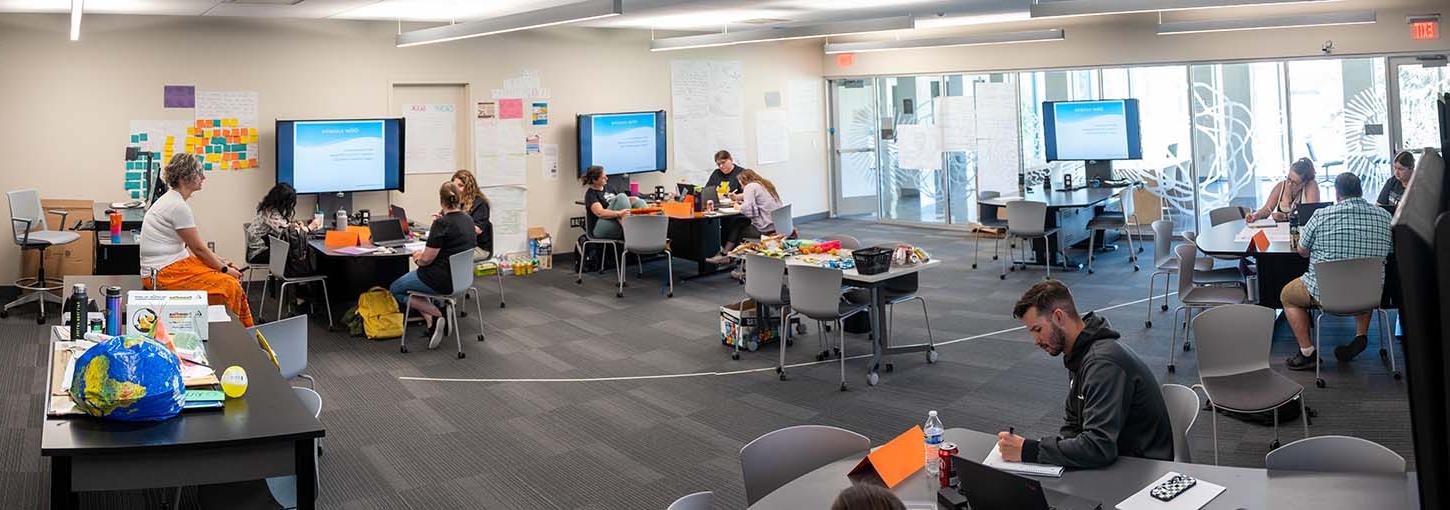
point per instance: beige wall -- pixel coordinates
(1093, 41)
(66, 105)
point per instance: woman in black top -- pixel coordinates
(601, 210)
(450, 234)
(1394, 190)
(477, 207)
(725, 171)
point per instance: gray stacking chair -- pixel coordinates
(252, 266)
(1125, 220)
(1193, 297)
(498, 275)
(766, 285)
(277, 266)
(776, 458)
(32, 232)
(1165, 262)
(849, 242)
(1226, 214)
(782, 220)
(1027, 220)
(1233, 366)
(284, 488)
(1183, 405)
(1335, 454)
(288, 338)
(815, 292)
(1204, 271)
(646, 235)
(1351, 287)
(460, 265)
(992, 222)
(696, 501)
(612, 245)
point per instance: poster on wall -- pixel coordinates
(225, 132)
(708, 115)
(500, 152)
(805, 106)
(772, 138)
(160, 139)
(999, 152)
(508, 210)
(539, 114)
(431, 138)
(487, 109)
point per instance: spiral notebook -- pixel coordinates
(995, 460)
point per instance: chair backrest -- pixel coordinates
(645, 233)
(1163, 241)
(1125, 197)
(776, 458)
(764, 277)
(1233, 339)
(1182, 404)
(310, 400)
(814, 291)
(988, 195)
(277, 256)
(460, 267)
(783, 221)
(25, 204)
(1226, 214)
(849, 243)
(1187, 256)
(696, 501)
(1026, 217)
(1335, 454)
(1351, 285)
(1190, 235)
(288, 338)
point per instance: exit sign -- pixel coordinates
(1425, 28)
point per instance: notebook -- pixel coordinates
(995, 460)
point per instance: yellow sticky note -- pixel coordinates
(252, 138)
(252, 131)
(224, 166)
(192, 131)
(170, 138)
(230, 122)
(214, 157)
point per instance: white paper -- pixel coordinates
(551, 161)
(918, 146)
(1263, 223)
(999, 152)
(431, 138)
(958, 121)
(805, 105)
(1194, 498)
(994, 459)
(708, 115)
(240, 105)
(508, 209)
(1279, 233)
(217, 313)
(772, 140)
(500, 151)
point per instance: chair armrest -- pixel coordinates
(62, 213)
(25, 240)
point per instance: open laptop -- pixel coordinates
(987, 488)
(1307, 211)
(388, 232)
(708, 195)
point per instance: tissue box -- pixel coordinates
(180, 311)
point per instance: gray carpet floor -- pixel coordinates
(530, 436)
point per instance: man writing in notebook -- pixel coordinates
(1114, 404)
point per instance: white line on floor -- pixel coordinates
(733, 372)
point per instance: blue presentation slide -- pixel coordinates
(339, 155)
(1091, 130)
(624, 143)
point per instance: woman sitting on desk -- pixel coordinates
(758, 200)
(477, 207)
(1297, 188)
(172, 245)
(450, 234)
(601, 212)
(274, 219)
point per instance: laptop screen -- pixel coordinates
(386, 230)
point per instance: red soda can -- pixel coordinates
(945, 453)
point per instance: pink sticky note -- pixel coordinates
(511, 108)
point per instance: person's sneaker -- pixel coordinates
(439, 326)
(1302, 362)
(719, 259)
(1346, 353)
(738, 274)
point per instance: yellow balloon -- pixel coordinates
(234, 381)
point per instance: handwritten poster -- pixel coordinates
(918, 146)
(500, 152)
(805, 105)
(999, 156)
(772, 137)
(508, 210)
(709, 107)
(431, 138)
(958, 124)
(551, 161)
(225, 132)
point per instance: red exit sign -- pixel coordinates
(1425, 28)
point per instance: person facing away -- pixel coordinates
(1114, 404)
(274, 219)
(450, 234)
(865, 496)
(477, 207)
(1352, 228)
(1298, 187)
(757, 201)
(602, 211)
(1394, 188)
(725, 171)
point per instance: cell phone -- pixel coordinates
(1172, 487)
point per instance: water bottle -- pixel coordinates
(113, 309)
(78, 305)
(341, 219)
(932, 429)
(1294, 229)
(317, 215)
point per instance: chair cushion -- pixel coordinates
(1254, 391)
(1018, 233)
(1213, 296)
(1222, 275)
(1107, 222)
(51, 237)
(1168, 264)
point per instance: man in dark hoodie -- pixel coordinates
(1114, 404)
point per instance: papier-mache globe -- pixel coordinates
(128, 378)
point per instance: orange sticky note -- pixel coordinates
(252, 163)
(896, 460)
(1260, 241)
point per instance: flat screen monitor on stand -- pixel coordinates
(338, 157)
(1094, 132)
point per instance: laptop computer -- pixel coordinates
(388, 232)
(1306, 211)
(987, 488)
(398, 213)
(708, 195)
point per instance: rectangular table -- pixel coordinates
(265, 433)
(1068, 211)
(1247, 488)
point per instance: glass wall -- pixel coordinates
(1239, 133)
(910, 194)
(1337, 115)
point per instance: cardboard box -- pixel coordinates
(541, 247)
(181, 311)
(734, 317)
(77, 258)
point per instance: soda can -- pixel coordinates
(945, 452)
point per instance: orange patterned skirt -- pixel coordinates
(192, 274)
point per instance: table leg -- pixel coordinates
(306, 474)
(878, 334)
(61, 496)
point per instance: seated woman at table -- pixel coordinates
(757, 200)
(450, 234)
(1298, 187)
(274, 219)
(477, 207)
(1394, 189)
(602, 211)
(865, 496)
(172, 245)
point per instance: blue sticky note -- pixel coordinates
(133, 184)
(135, 194)
(208, 166)
(135, 138)
(143, 136)
(135, 176)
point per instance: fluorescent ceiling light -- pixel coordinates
(971, 19)
(783, 33)
(564, 14)
(1296, 21)
(1054, 8)
(75, 19)
(1054, 34)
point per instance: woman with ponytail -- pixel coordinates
(451, 233)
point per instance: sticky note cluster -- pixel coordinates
(223, 144)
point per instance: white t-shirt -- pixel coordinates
(161, 245)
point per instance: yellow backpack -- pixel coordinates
(380, 315)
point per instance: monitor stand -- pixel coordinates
(1098, 170)
(331, 202)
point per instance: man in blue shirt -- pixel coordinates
(1350, 229)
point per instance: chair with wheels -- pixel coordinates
(1027, 220)
(899, 290)
(1335, 454)
(987, 218)
(1192, 297)
(460, 267)
(32, 232)
(1125, 221)
(1348, 288)
(1233, 366)
(696, 501)
(646, 235)
(277, 267)
(1165, 262)
(774, 459)
(1183, 406)
(815, 292)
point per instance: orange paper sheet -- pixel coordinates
(1260, 241)
(342, 239)
(364, 234)
(896, 460)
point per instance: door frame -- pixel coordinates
(1392, 92)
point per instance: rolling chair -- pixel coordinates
(1351, 287)
(1125, 220)
(32, 232)
(1027, 220)
(815, 292)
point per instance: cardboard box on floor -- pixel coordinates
(77, 258)
(545, 254)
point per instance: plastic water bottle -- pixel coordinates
(317, 214)
(932, 430)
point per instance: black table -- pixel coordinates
(1247, 488)
(1068, 211)
(351, 275)
(117, 258)
(264, 434)
(1280, 264)
(130, 218)
(698, 237)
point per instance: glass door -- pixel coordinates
(912, 178)
(854, 129)
(1337, 119)
(1414, 82)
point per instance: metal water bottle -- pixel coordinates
(341, 223)
(113, 310)
(77, 306)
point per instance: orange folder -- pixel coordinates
(364, 234)
(342, 239)
(677, 209)
(897, 459)
(1260, 241)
